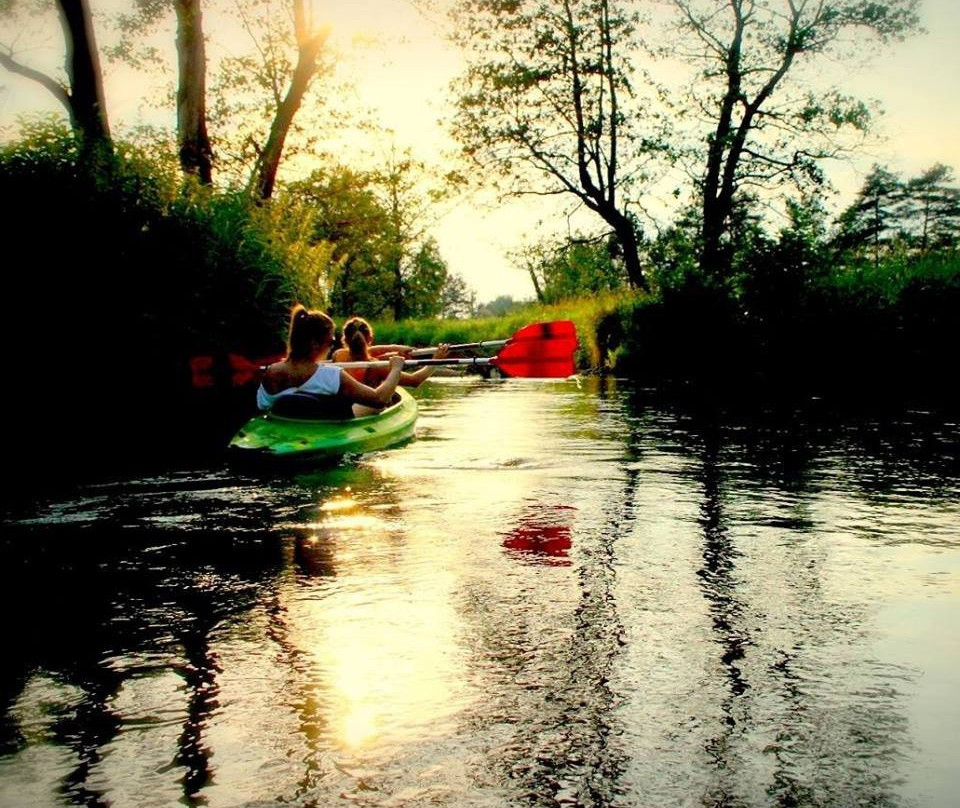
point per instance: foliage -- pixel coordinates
(127, 274)
(499, 306)
(891, 215)
(586, 313)
(249, 90)
(933, 209)
(457, 299)
(573, 268)
(381, 259)
(79, 88)
(762, 122)
(547, 104)
(870, 223)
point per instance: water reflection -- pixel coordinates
(547, 639)
(542, 534)
(774, 612)
(121, 649)
(555, 595)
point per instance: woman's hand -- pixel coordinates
(442, 350)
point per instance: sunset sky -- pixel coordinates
(404, 80)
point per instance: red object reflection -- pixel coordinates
(542, 536)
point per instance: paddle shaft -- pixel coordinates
(539, 350)
(413, 363)
(464, 346)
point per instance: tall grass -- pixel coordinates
(587, 316)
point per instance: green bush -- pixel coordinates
(125, 275)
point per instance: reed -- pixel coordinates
(588, 315)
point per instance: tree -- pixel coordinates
(196, 153)
(457, 299)
(426, 288)
(933, 205)
(278, 30)
(874, 218)
(573, 268)
(310, 42)
(134, 25)
(411, 255)
(348, 215)
(383, 261)
(82, 93)
(258, 97)
(763, 132)
(544, 104)
(498, 307)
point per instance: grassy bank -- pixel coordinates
(871, 331)
(587, 315)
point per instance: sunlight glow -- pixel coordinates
(382, 636)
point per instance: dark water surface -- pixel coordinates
(557, 594)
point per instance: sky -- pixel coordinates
(404, 81)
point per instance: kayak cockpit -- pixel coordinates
(301, 406)
(310, 407)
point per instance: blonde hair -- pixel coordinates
(307, 327)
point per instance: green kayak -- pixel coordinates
(283, 437)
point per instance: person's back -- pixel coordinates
(358, 336)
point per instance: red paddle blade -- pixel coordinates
(201, 371)
(541, 350)
(245, 370)
(557, 330)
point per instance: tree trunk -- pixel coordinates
(627, 236)
(88, 110)
(718, 178)
(196, 154)
(715, 218)
(537, 288)
(626, 233)
(309, 47)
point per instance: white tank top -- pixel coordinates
(325, 381)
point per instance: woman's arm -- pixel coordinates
(380, 350)
(379, 396)
(418, 377)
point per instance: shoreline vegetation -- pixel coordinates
(140, 247)
(127, 272)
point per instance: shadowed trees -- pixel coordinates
(766, 126)
(81, 94)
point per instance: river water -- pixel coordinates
(559, 593)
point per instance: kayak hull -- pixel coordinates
(269, 436)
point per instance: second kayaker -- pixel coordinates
(359, 347)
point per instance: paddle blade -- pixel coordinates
(243, 370)
(541, 350)
(201, 371)
(556, 330)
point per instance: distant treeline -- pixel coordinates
(865, 302)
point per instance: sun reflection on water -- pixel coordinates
(376, 624)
